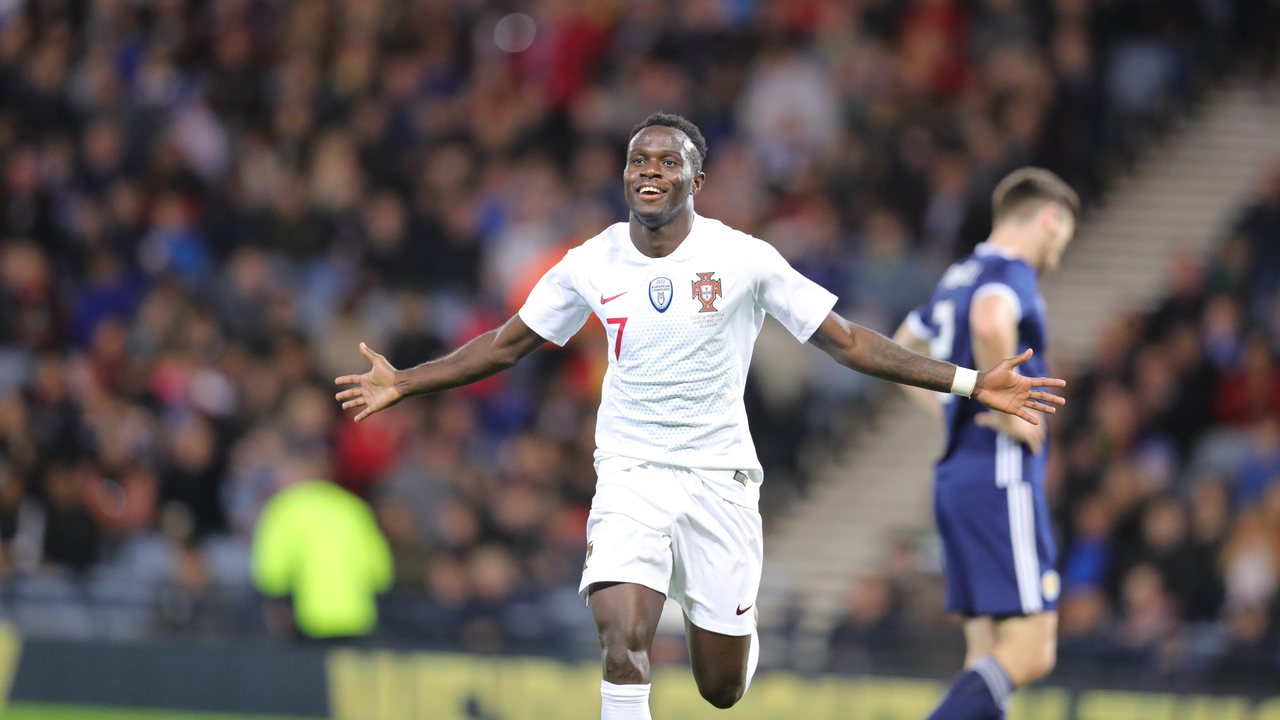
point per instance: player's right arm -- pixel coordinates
(993, 330)
(383, 385)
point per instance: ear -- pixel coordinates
(1049, 217)
(696, 185)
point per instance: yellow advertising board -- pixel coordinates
(394, 686)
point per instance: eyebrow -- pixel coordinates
(673, 153)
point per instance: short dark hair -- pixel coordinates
(684, 125)
(1026, 189)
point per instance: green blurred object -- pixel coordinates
(320, 545)
(41, 711)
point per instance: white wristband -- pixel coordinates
(964, 381)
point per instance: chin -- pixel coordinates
(650, 218)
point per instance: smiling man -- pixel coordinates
(682, 298)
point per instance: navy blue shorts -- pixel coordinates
(997, 542)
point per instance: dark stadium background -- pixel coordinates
(205, 206)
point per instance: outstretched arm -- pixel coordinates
(383, 385)
(869, 352)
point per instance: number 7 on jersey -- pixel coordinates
(621, 322)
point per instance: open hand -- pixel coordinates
(1002, 388)
(373, 391)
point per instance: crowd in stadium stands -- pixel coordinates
(205, 206)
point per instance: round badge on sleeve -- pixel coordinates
(660, 293)
(1050, 585)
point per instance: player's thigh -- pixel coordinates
(1027, 646)
(999, 558)
(630, 525)
(1030, 632)
(626, 615)
(979, 639)
(622, 549)
(719, 661)
(958, 588)
(718, 550)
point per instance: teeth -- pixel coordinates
(649, 190)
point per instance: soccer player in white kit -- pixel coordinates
(682, 298)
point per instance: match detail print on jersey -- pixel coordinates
(621, 322)
(706, 290)
(660, 293)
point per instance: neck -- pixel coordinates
(1013, 243)
(662, 240)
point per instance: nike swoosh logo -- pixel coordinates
(742, 610)
(604, 300)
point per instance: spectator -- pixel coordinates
(869, 624)
(1251, 390)
(321, 546)
(1088, 558)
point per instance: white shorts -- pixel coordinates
(666, 528)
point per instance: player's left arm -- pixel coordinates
(1000, 388)
(926, 399)
(993, 332)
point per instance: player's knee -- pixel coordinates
(625, 666)
(1045, 656)
(1045, 660)
(722, 695)
(625, 654)
(1034, 664)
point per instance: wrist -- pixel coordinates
(401, 385)
(965, 382)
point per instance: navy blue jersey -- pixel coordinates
(944, 321)
(989, 489)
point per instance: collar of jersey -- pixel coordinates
(986, 248)
(680, 251)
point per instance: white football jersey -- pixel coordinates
(681, 330)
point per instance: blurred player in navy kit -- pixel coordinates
(989, 484)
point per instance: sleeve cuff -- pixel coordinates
(917, 326)
(536, 326)
(809, 329)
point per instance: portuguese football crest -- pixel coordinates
(706, 290)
